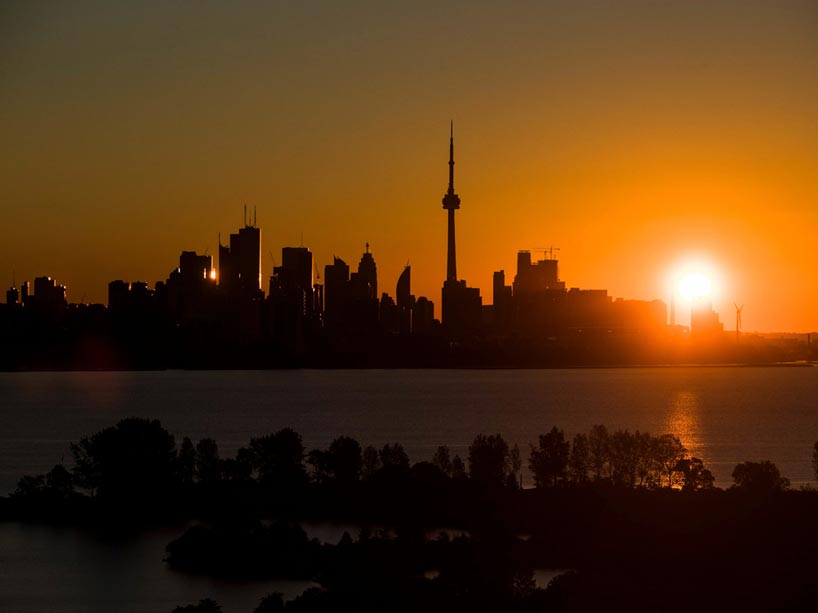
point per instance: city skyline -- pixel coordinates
(633, 155)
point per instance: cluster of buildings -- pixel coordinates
(302, 311)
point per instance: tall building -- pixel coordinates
(462, 305)
(294, 278)
(336, 277)
(451, 202)
(362, 292)
(405, 300)
(704, 321)
(240, 262)
(365, 281)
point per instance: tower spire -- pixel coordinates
(451, 202)
(451, 157)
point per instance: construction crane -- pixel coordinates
(317, 274)
(548, 252)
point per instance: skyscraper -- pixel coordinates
(451, 202)
(240, 262)
(461, 304)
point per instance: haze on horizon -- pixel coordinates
(635, 136)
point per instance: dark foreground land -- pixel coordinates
(638, 523)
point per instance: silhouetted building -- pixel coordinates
(190, 290)
(365, 281)
(293, 279)
(423, 316)
(294, 301)
(405, 300)
(535, 278)
(12, 295)
(240, 263)
(451, 202)
(704, 321)
(461, 305)
(336, 277)
(502, 301)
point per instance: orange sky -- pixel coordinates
(634, 136)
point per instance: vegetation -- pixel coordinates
(632, 514)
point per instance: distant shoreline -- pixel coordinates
(796, 364)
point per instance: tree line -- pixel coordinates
(137, 457)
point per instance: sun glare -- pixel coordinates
(695, 285)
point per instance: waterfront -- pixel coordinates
(725, 415)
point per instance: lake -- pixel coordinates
(723, 415)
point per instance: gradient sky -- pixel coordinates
(638, 137)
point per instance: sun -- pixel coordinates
(695, 285)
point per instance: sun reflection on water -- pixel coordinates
(683, 421)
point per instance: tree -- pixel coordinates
(599, 452)
(549, 462)
(186, 461)
(458, 468)
(29, 485)
(371, 461)
(207, 461)
(579, 460)
(624, 458)
(489, 460)
(135, 458)
(394, 456)
(515, 464)
(342, 462)
(646, 469)
(59, 480)
(443, 460)
(668, 451)
(759, 478)
(206, 605)
(695, 476)
(278, 458)
(271, 603)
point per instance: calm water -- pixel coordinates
(724, 415)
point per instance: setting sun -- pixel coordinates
(695, 285)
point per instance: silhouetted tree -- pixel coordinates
(394, 456)
(279, 458)
(599, 448)
(646, 469)
(272, 603)
(342, 462)
(549, 462)
(29, 485)
(669, 451)
(458, 468)
(624, 458)
(59, 480)
(186, 461)
(516, 463)
(695, 476)
(207, 461)
(490, 460)
(205, 605)
(443, 460)
(371, 461)
(235, 469)
(759, 478)
(579, 459)
(137, 457)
